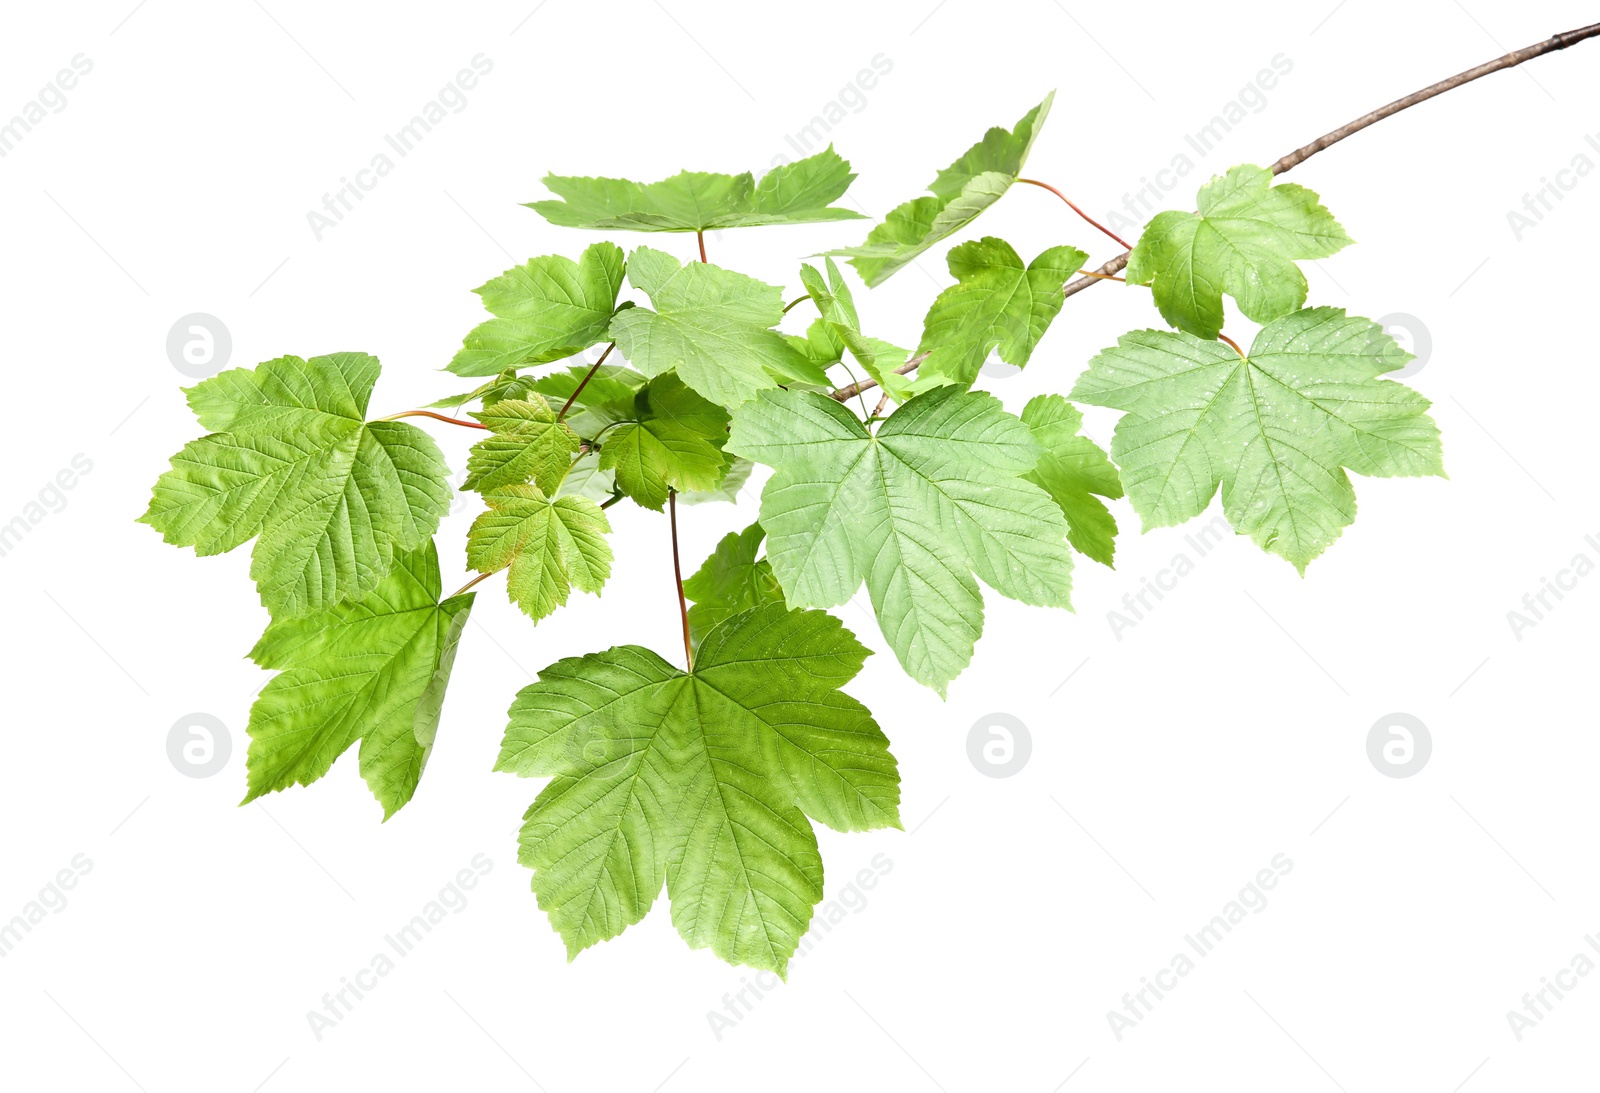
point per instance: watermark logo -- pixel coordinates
(199, 345)
(1251, 900)
(452, 98)
(452, 899)
(814, 136)
(1136, 606)
(1141, 204)
(51, 99)
(51, 499)
(199, 745)
(1399, 745)
(999, 745)
(51, 900)
(1413, 336)
(1539, 204)
(1538, 604)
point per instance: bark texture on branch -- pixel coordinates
(1300, 155)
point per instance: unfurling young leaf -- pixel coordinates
(674, 443)
(796, 193)
(713, 326)
(997, 302)
(731, 580)
(963, 190)
(1275, 431)
(1243, 241)
(372, 669)
(544, 310)
(1076, 473)
(915, 510)
(700, 780)
(291, 462)
(525, 444)
(550, 546)
(838, 329)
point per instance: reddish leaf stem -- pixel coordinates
(1224, 338)
(677, 574)
(1556, 42)
(480, 577)
(1123, 243)
(700, 237)
(436, 417)
(587, 376)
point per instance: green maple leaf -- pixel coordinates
(291, 462)
(551, 546)
(546, 309)
(1076, 473)
(711, 325)
(961, 191)
(674, 443)
(1274, 431)
(914, 510)
(732, 580)
(997, 302)
(372, 669)
(701, 781)
(1243, 241)
(692, 201)
(525, 444)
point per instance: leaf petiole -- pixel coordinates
(1123, 243)
(436, 417)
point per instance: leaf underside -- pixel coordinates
(1275, 431)
(700, 781)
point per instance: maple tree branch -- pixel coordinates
(436, 417)
(587, 376)
(677, 573)
(1300, 155)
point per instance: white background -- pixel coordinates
(1227, 727)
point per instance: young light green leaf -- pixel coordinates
(915, 510)
(544, 310)
(550, 546)
(675, 443)
(1073, 470)
(292, 463)
(730, 581)
(372, 669)
(1243, 241)
(1275, 431)
(505, 385)
(525, 444)
(997, 302)
(961, 191)
(796, 193)
(842, 330)
(735, 474)
(713, 326)
(701, 781)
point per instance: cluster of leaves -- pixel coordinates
(706, 778)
